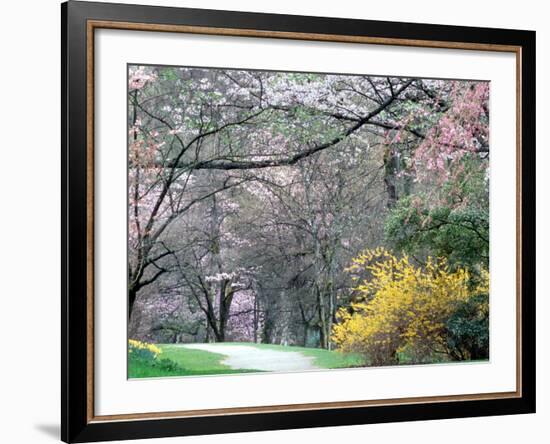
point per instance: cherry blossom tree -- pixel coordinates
(250, 191)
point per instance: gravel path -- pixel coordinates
(250, 357)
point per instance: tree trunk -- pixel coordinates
(212, 325)
(323, 337)
(306, 334)
(331, 310)
(255, 318)
(267, 333)
(226, 298)
(390, 166)
(207, 331)
(132, 294)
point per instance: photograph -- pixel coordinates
(304, 221)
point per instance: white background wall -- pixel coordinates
(30, 207)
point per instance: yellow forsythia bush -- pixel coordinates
(400, 307)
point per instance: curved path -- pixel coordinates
(250, 357)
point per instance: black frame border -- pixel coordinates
(75, 424)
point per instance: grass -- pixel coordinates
(197, 361)
(150, 369)
(178, 361)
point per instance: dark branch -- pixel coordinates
(246, 165)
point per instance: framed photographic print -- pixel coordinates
(276, 221)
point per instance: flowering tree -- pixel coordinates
(249, 192)
(461, 130)
(176, 136)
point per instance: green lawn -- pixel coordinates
(197, 361)
(178, 361)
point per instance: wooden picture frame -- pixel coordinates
(79, 22)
